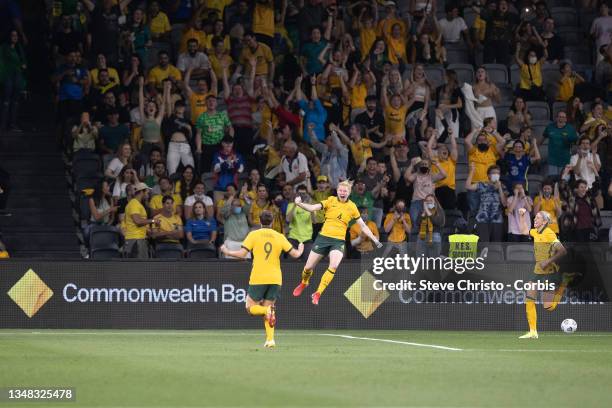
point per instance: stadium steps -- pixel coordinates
(41, 223)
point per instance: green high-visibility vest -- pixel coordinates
(463, 246)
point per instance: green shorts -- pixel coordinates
(264, 292)
(554, 277)
(323, 245)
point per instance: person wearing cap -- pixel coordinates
(322, 193)
(391, 18)
(135, 224)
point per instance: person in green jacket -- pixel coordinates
(12, 80)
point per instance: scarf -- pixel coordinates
(426, 229)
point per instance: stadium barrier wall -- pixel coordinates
(211, 294)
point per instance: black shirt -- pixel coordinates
(67, 42)
(105, 30)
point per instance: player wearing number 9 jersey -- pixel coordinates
(339, 212)
(266, 279)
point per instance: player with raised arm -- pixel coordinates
(265, 282)
(339, 212)
(547, 250)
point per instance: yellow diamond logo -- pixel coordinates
(30, 293)
(364, 297)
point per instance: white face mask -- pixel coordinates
(495, 178)
(431, 206)
(533, 60)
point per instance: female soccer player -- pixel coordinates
(265, 282)
(548, 250)
(339, 212)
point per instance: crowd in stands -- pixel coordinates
(203, 114)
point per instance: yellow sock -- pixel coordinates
(306, 274)
(326, 279)
(258, 310)
(532, 316)
(269, 331)
(557, 297)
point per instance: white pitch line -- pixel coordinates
(407, 343)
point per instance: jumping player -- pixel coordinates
(339, 212)
(548, 250)
(266, 278)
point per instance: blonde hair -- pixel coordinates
(346, 183)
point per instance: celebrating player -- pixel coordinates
(548, 250)
(339, 212)
(266, 278)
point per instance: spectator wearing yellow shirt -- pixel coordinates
(395, 111)
(568, 81)
(359, 240)
(259, 51)
(197, 97)
(163, 70)
(548, 201)
(397, 224)
(447, 161)
(396, 43)
(219, 57)
(593, 120)
(168, 226)
(218, 6)
(263, 21)
(135, 224)
(385, 25)
(261, 204)
(165, 186)
(218, 31)
(530, 86)
(367, 32)
(482, 156)
(193, 30)
(101, 65)
(360, 145)
(159, 24)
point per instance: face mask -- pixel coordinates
(431, 206)
(585, 151)
(495, 178)
(566, 177)
(546, 194)
(533, 60)
(237, 210)
(483, 147)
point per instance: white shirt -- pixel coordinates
(199, 61)
(601, 29)
(451, 30)
(293, 169)
(586, 173)
(115, 166)
(190, 201)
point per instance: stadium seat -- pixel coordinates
(540, 111)
(534, 184)
(577, 54)
(104, 242)
(469, 15)
(564, 16)
(465, 72)
(571, 35)
(435, 75)
(606, 219)
(202, 253)
(497, 73)
(83, 209)
(543, 148)
(85, 166)
(520, 253)
(515, 76)
(506, 92)
(586, 18)
(450, 217)
(457, 56)
(168, 251)
(558, 106)
(538, 126)
(501, 111)
(86, 182)
(559, 3)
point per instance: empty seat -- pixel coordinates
(105, 254)
(497, 73)
(435, 75)
(104, 242)
(457, 56)
(450, 217)
(86, 182)
(520, 253)
(539, 110)
(577, 54)
(571, 35)
(538, 126)
(202, 252)
(168, 251)
(501, 111)
(465, 72)
(85, 166)
(506, 92)
(515, 75)
(564, 16)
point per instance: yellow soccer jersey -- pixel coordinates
(544, 248)
(267, 246)
(338, 215)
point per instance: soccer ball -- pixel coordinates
(569, 326)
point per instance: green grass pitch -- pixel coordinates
(310, 368)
